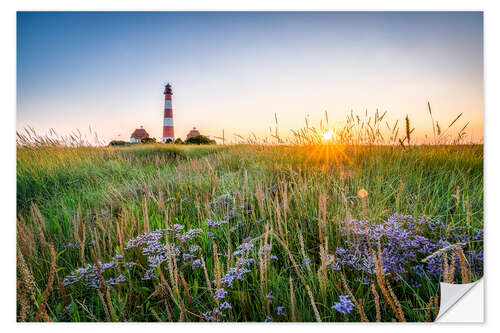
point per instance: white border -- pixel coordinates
(8, 198)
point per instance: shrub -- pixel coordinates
(200, 140)
(148, 140)
(118, 143)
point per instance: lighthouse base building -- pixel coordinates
(168, 116)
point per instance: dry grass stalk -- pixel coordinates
(103, 284)
(292, 300)
(28, 282)
(25, 238)
(110, 305)
(169, 313)
(41, 309)
(354, 300)
(467, 213)
(464, 271)
(145, 215)
(322, 217)
(207, 279)
(306, 286)
(243, 305)
(164, 284)
(96, 242)
(379, 270)
(79, 234)
(427, 311)
(182, 315)
(23, 304)
(186, 289)
(446, 273)
(436, 304)
(400, 191)
(452, 267)
(39, 224)
(302, 247)
(155, 315)
(62, 291)
(396, 301)
(216, 266)
(106, 312)
(443, 250)
(376, 298)
(172, 267)
(118, 235)
(277, 214)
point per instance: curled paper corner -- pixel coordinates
(461, 302)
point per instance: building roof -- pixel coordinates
(193, 132)
(139, 133)
(168, 89)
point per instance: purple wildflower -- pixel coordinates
(212, 223)
(129, 264)
(196, 263)
(150, 273)
(225, 306)
(280, 310)
(344, 305)
(306, 262)
(220, 294)
(208, 316)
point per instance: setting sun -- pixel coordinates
(327, 136)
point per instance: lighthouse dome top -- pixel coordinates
(168, 89)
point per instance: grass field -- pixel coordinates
(246, 232)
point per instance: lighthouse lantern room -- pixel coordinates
(168, 118)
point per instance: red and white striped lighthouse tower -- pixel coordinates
(168, 117)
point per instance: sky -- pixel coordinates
(235, 71)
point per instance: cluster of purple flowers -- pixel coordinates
(243, 247)
(89, 275)
(220, 294)
(232, 274)
(280, 311)
(405, 241)
(190, 235)
(216, 314)
(145, 241)
(150, 274)
(115, 281)
(129, 264)
(188, 256)
(225, 306)
(265, 249)
(156, 252)
(344, 305)
(212, 315)
(212, 223)
(193, 248)
(196, 263)
(237, 273)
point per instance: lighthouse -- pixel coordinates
(168, 118)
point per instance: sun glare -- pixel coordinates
(327, 136)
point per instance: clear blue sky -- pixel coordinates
(233, 71)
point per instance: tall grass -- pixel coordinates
(276, 215)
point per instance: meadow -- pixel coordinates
(307, 231)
